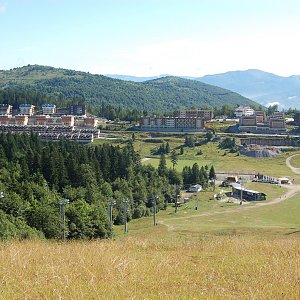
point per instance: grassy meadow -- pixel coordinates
(223, 250)
(221, 159)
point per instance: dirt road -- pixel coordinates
(288, 164)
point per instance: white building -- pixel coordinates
(49, 109)
(244, 110)
(195, 188)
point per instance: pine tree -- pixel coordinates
(174, 158)
(162, 167)
(212, 173)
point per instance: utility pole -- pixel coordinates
(155, 198)
(176, 202)
(111, 204)
(196, 208)
(125, 201)
(241, 192)
(62, 204)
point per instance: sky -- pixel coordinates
(152, 37)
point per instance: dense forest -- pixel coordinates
(35, 176)
(159, 95)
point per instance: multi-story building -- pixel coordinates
(172, 123)
(26, 109)
(259, 123)
(77, 110)
(260, 116)
(20, 119)
(49, 109)
(243, 110)
(13, 120)
(5, 119)
(68, 120)
(194, 113)
(5, 109)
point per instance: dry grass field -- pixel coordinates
(232, 267)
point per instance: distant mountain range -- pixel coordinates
(157, 95)
(259, 86)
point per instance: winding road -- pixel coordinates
(288, 164)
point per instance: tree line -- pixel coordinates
(36, 175)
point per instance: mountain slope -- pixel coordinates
(259, 86)
(163, 94)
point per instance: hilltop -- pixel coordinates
(162, 94)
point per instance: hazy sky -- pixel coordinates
(152, 37)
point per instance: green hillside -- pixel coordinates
(162, 94)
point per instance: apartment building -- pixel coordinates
(172, 123)
(5, 109)
(260, 123)
(49, 109)
(244, 110)
(77, 110)
(194, 113)
(26, 109)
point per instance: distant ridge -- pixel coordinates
(162, 94)
(262, 87)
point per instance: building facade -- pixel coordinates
(194, 113)
(26, 109)
(90, 122)
(5, 109)
(260, 123)
(48, 109)
(172, 123)
(77, 110)
(243, 110)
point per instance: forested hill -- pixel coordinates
(163, 94)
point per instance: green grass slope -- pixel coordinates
(162, 94)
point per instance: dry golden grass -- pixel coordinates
(233, 267)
